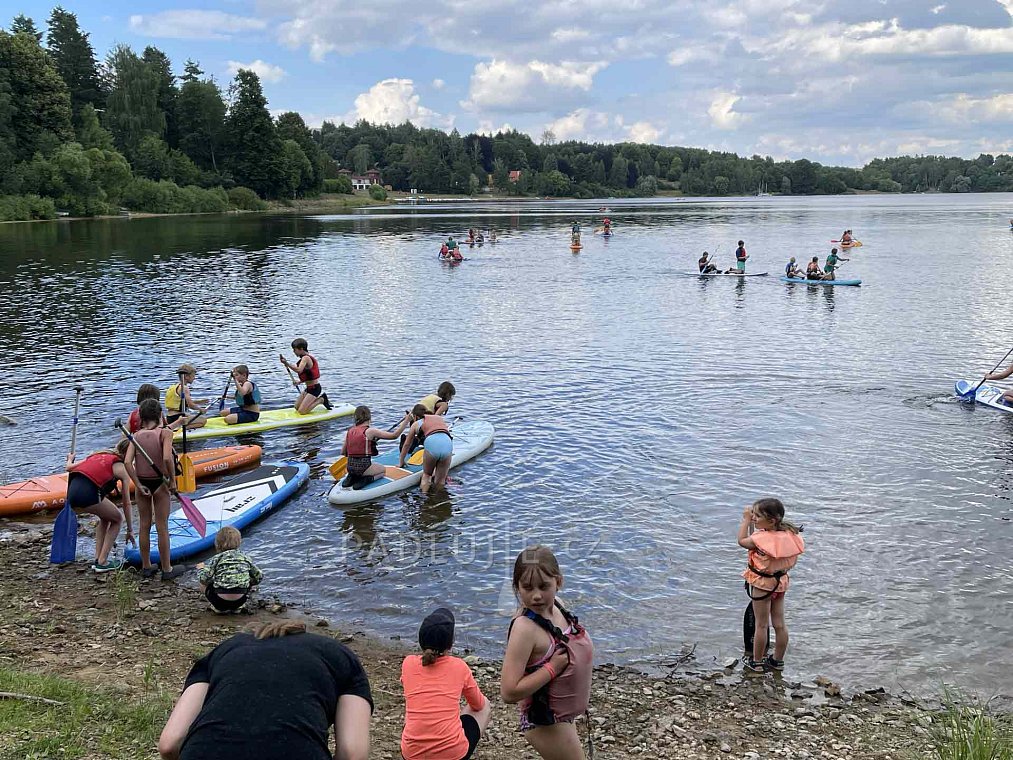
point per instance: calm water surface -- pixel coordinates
(637, 409)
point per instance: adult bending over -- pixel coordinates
(272, 695)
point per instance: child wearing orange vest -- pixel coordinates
(774, 546)
(439, 446)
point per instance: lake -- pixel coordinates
(637, 409)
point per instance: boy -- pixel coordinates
(792, 271)
(247, 408)
(229, 577)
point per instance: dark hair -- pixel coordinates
(773, 510)
(816, 258)
(277, 629)
(536, 560)
(446, 390)
(742, 242)
(362, 414)
(419, 411)
(150, 410)
(300, 343)
(833, 250)
(429, 656)
(147, 391)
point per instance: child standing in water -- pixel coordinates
(436, 726)
(774, 545)
(548, 660)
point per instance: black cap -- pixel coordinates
(437, 630)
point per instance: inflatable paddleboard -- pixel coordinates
(852, 244)
(50, 491)
(269, 420)
(727, 274)
(987, 394)
(800, 281)
(576, 248)
(237, 503)
(471, 438)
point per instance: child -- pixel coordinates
(792, 269)
(439, 402)
(360, 447)
(145, 392)
(178, 400)
(548, 661)
(247, 408)
(88, 487)
(436, 726)
(492, 233)
(152, 491)
(740, 257)
(832, 264)
(456, 256)
(444, 251)
(774, 546)
(439, 446)
(812, 271)
(308, 371)
(705, 264)
(229, 577)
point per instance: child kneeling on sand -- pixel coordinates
(229, 577)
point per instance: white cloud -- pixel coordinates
(936, 10)
(439, 84)
(195, 24)
(486, 127)
(529, 87)
(268, 72)
(643, 132)
(394, 101)
(721, 110)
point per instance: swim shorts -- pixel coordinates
(439, 446)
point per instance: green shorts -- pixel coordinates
(740, 265)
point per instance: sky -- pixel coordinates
(836, 81)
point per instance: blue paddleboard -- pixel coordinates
(800, 281)
(236, 503)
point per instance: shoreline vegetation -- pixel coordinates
(92, 664)
(84, 138)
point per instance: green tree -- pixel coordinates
(74, 58)
(619, 173)
(292, 127)
(151, 159)
(38, 102)
(90, 132)
(360, 158)
(168, 93)
(648, 186)
(298, 171)
(674, 169)
(804, 177)
(253, 146)
(500, 175)
(132, 109)
(200, 119)
(22, 24)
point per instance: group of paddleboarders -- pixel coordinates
(424, 423)
(451, 251)
(706, 265)
(813, 270)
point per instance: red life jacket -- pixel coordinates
(98, 468)
(134, 421)
(356, 443)
(434, 423)
(312, 372)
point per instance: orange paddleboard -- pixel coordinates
(50, 491)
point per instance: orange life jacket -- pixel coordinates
(775, 554)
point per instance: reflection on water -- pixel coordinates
(637, 408)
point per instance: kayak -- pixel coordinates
(50, 491)
(269, 420)
(471, 438)
(987, 394)
(236, 503)
(727, 274)
(800, 281)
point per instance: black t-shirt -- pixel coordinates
(273, 698)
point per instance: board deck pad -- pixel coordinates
(236, 503)
(270, 419)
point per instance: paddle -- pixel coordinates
(187, 480)
(969, 395)
(64, 547)
(189, 508)
(339, 469)
(221, 401)
(289, 370)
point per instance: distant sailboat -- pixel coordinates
(761, 190)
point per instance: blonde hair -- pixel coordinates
(227, 538)
(186, 369)
(277, 629)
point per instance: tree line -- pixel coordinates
(90, 137)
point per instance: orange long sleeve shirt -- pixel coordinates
(433, 694)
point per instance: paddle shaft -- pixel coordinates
(290, 375)
(221, 401)
(78, 390)
(975, 389)
(144, 453)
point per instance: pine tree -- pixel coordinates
(254, 148)
(75, 60)
(22, 24)
(200, 114)
(132, 110)
(292, 127)
(168, 94)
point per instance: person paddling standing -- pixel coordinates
(832, 263)
(308, 371)
(774, 545)
(247, 398)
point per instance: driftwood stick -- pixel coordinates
(29, 698)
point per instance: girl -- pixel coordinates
(360, 447)
(308, 371)
(812, 270)
(439, 446)
(146, 391)
(88, 487)
(439, 402)
(774, 546)
(229, 577)
(436, 726)
(247, 408)
(548, 660)
(178, 400)
(152, 491)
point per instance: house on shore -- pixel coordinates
(362, 181)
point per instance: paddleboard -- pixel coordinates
(987, 394)
(852, 244)
(269, 420)
(471, 438)
(576, 247)
(237, 503)
(800, 281)
(727, 274)
(50, 491)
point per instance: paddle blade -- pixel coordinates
(339, 469)
(748, 629)
(417, 457)
(64, 548)
(194, 515)
(187, 482)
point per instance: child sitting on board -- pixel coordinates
(226, 581)
(179, 402)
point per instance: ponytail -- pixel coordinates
(278, 629)
(429, 656)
